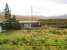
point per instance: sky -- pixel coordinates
(39, 7)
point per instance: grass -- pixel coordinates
(34, 39)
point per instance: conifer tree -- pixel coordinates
(14, 18)
(7, 12)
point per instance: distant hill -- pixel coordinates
(58, 17)
(1, 16)
(29, 17)
(21, 18)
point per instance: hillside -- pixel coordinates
(21, 18)
(58, 17)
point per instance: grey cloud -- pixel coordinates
(59, 1)
(64, 1)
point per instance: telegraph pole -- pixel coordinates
(31, 13)
(31, 16)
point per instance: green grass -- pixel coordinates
(34, 39)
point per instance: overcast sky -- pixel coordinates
(39, 7)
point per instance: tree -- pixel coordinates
(7, 12)
(14, 18)
(10, 23)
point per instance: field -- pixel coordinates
(34, 39)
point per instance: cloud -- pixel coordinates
(59, 1)
(40, 7)
(48, 8)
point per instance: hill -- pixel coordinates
(21, 18)
(58, 17)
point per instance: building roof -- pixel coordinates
(28, 21)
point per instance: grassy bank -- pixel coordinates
(34, 39)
